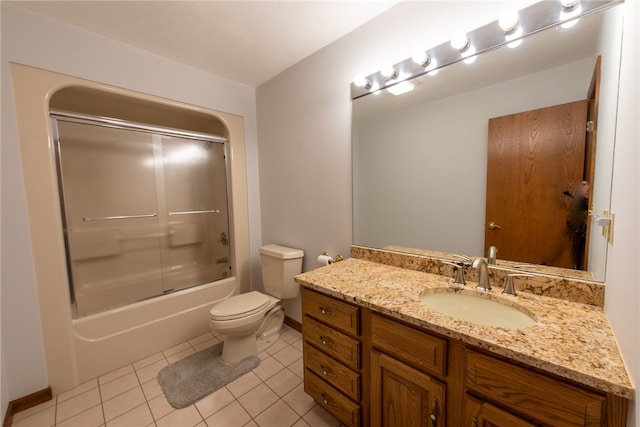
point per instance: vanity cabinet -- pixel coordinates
(332, 355)
(404, 391)
(538, 397)
(372, 370)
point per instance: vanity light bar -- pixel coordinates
(535, 18)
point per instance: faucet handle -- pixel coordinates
(459, 280)
(509, 287)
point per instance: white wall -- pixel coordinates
(44, 43)
(304, 124)
(622, 298)
(305, 160)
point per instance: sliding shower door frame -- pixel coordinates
(156, 133)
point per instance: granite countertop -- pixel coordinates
(571, 340)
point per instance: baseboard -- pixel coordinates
(26, 402)
(293, 323)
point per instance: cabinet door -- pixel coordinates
(481, 414)
(403, 396)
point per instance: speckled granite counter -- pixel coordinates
(571, 340)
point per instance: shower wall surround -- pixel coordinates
(78, 349)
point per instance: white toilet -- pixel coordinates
(251, 322)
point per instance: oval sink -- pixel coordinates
(477, 309)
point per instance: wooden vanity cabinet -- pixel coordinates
(371, 370)
(332, 356)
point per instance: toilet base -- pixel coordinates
(238, 347)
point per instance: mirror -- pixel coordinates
(420, 159)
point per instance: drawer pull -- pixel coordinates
(326, 342)
(474, 423)
(326, 312)
(326, 400)
(326, 372)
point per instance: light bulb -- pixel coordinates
(508, 21)
(460, 41)
(568, 4)
(361, 81)
(388, 71)
(421, 58)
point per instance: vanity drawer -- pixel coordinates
(543, 398)
(338, 314)
(344, 379)
(331, 399)
(332, 342)
(410, 345)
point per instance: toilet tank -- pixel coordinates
(279, 265)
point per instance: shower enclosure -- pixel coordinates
(145, 209)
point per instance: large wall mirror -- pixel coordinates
(433, 168)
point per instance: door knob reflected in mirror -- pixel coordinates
(492, 225)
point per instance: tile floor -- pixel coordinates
(269, 396)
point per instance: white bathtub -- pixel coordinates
(112, 339)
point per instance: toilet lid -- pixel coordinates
(239, 306)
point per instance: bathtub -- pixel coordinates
(112, 339)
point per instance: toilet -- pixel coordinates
(251, 322)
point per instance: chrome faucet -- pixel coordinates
(483, 281)
(491, 257)
(459, 271)
(509, 287)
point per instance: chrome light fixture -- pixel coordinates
(509, 30)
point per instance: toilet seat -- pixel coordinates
(239, 306)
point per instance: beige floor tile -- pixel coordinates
(176, 349)
(214, 402)
(288, 355)
(232, 415)
(160, 407)
(148, 361)
(290, 336)
(82, 388)
(90, 418)
(283, 382)
(268, 368)
(115, 374)
(297, 368)
(119, 386)
(123, 403)
(151, 389)
(243, 384)
(186, 417)
(44, 418)
(276, 347)
(301, 423)
(151, 371)
(319, 417)
(138, 416)
(258, 399)
(206, 344)
(299, 401)
(298, 345)
(278, 414)
(204, 337)
(77, 404)
(35, 409)
(180, 355)
(251, 424)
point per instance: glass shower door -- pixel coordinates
(196, 204)
(145, 213)
(110, 212)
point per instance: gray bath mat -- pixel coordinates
(192, 378)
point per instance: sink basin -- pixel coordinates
(477, 309)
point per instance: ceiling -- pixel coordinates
(245, 41)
